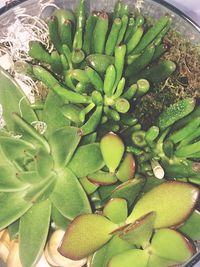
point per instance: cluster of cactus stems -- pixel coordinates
(94, 157)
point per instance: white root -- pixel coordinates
(54, 257)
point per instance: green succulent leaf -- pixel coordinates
(69, 197)
(133, 257)
(63, 144)
(10, 97)
(179, 250)
(172, 201)
(30, 177)
(33, 231)
(112, 149)
(88, 186)
(139, 232)
(102, 178)
(114, 247)
(87, 233)
(156, 261)
(9, 181)
(13, 230)
(86, 160)
(128, 190)
(14, 148)
(191, 227)
(127, 168)
(40, 191)
(13, 206)
(59, 220)
(116, 210)
(52, 114)
(44, 163)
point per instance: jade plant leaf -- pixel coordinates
(59, 220)
(13, 206)
(31, 177)
(127, 168)
(69, 190)
(128, 190)
(152, 182)
(88, 186)
(52, 114)
(139, 232)
(116, 210)
(10, 97)
(115, 246)
(87, 233)
(102, 178)
(191, 227)
(156, 261)
(106, 190)
(33, 231)
(9, 181)
(112, 148)
(87, 160)
(133, 257)
(172, 201)
(172, 245)
(63, 144)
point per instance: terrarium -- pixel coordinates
(100, 134)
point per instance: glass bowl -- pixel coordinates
(155, 8)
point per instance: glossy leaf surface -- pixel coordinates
(116, 210)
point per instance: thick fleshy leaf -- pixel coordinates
(112, 148)
(9, 181)
(52, 114)
(106, 190)
(88, 186)
(102, 178)
(128, 190)
(63, 144)
(127, 168)
(44, 163)
(172, 201)
(172, 245)
(69, 197)
(156, 261)
(13, 206)
(139, 232)
(31, 177)
(152, 182)
(14, 148)
(115, 246)
(86, 160)
(116, 210)
(13, 230)
(191, 227)
(84, 235)
(40, 191)
(59, 220)
(10, 97)
(33, 231)
(133, 257)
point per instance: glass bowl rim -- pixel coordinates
(171, 7)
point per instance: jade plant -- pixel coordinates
(142, 238)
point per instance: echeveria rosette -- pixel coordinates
(38, 172)
(103, 62)
(142, 237)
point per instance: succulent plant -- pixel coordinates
(101, 62)
(39, 172)
(140, 238)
